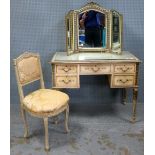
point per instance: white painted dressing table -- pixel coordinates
(122, 71)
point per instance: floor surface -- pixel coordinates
(95, 130)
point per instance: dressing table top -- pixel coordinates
(93, 57)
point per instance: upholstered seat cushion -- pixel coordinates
(45, 101)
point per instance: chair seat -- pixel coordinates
(45, 101)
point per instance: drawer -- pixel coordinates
(124, 68)
(123, 80)
(95, 69)
(66, 69)
(67, 81)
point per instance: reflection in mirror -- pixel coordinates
(92, 29)
(68, 34)
(115, 29)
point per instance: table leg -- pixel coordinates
(134, 105)
(124, 96)
(54, 120)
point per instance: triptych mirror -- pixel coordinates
(93, 28)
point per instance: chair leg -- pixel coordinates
(66, 119)
(26, 131)
(46, 134)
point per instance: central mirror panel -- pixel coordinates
(92, 29)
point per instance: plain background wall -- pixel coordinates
(39, 26)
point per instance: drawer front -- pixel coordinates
(123, 80)
(67, 81)
(124, 68)
(66, 69)
(95, 69)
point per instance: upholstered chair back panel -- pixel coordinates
(28, 69)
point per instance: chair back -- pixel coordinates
(28, 69)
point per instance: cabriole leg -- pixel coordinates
(46, 133)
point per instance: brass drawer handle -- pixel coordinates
(66, 81)
(124, 81)
(66, 69)
(125, 69)
(95, 69)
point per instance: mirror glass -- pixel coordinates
(68, 34)
(115, 29)
(92, 29)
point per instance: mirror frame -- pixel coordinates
(95, 7)
(73, 18)
(69, 33)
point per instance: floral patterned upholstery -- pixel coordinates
(45, 101)
(28, 69)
